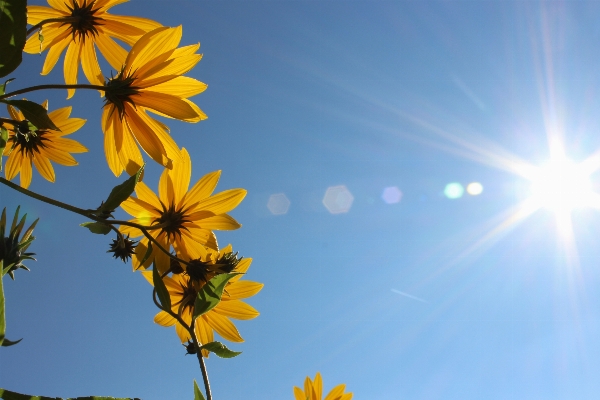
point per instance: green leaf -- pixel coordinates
(3, 87)
(7, 342)
(147, 254)
(120, 193)
(220, 350)
(197, 393)
(3, 141)
(97, 227)
(211, 293)
(13, 20)
(33, 112)
(161, 289)
(2, 314)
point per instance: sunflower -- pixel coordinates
(150, 80)
(41, 146)
(187, 218)
(183, 288)
(313, 390)
(84, 23)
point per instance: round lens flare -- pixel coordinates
(561, 186)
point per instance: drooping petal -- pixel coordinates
(110, 149)
(243, 289)
(71, 66)
(204, 332)
(236, 309)
(146, 137)
(224, 327)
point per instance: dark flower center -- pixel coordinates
(201, 272)
(119, 91)
(28, 142)
(172, 219)
(85, 21)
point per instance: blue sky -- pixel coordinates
(425, 298)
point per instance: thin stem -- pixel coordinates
(51, 86)
(45, 199)
(201, 361)
(50, 20)
(10, 121)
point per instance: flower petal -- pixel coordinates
(236, 309)
(243, 289)
(71, 66)
(112, 51)
(222, 202)
(223, 326)
(164, 319)
(220, 222)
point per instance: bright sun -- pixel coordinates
(561, 186)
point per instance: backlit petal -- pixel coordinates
(112, 51)
(224, 327)
(220, 222)
(236, 309)
(71, 66)
(164, 319)
(89, 63)
(222, 202)
(243, 289)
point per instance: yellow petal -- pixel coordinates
(243, 289)
(129, 153)
(220, 222)
(180, 86)
(13, 164)
(145, 136)
(180, 175)
(164, 319)
(60, 115)
(183, 334)
(204, 333)
(143, 24)
(59, 156)
(165, 104)
(15, 114)
(71, 66)
(147, 47)
(236, 309)
(204, 187)
(57, 46)
(318, 386)
(59, 5)
(162, 133)
(44, 167)
(221, 202)
(112, 51)
(104, 5)
(127, 32)
(133, 232)
(36, 14)
(137, 208)
(336, 392)
(25, 174)
(299, 394)
(110, 149)
(89, 63)
(67, 145)
(223, 326)
(144, 193)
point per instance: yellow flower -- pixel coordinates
(88, 23)
(39, 147)
(187, 217)
(150, 80)
(183, 290)
(313, 390)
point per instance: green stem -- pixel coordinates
(51, 86)
(201, 362)
(50, 20)
(45, 199)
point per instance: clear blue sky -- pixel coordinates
(426, 298)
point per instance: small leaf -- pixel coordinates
(3, 87)
(3, 142)
(120, 193)
(33, 112)
(220, 350)
(2, 314)
(210, 294)
(7, 342)
(97, 227)
(13, 20)
(197, 393)
(161, 289)
(147, 254)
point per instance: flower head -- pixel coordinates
(186, 218)
(150, 80)
(123, 248)
(12, 248)
(79, 25)
(313, 390)
(183, 289)
(27, 147)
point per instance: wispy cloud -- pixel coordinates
(410, 296)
